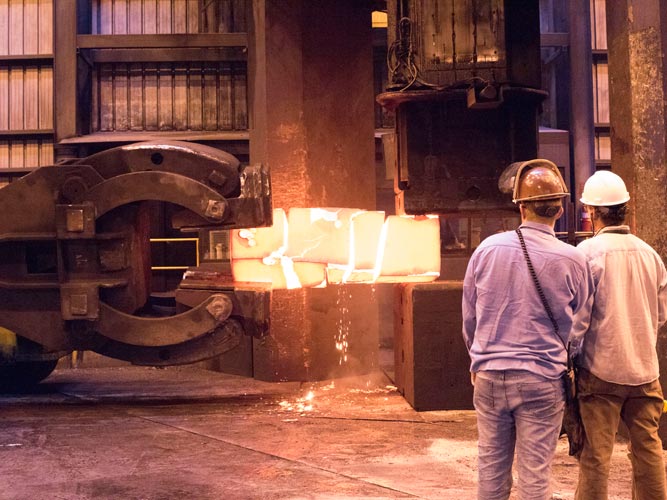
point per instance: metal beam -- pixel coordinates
(162, 41)
(65, 70)
(213, 54)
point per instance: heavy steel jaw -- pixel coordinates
(75, 254)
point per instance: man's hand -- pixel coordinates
(473, 376)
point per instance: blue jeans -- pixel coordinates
(519, 410)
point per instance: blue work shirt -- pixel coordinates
(505, 325)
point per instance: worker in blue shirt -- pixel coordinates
(518, 357)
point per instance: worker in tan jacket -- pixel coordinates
(619, 375)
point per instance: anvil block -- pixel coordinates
(431, 360)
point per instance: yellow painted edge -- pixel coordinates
(7, 341)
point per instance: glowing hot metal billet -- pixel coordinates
(318, 246)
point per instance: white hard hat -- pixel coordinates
(604, 189)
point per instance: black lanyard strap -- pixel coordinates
(540, 292)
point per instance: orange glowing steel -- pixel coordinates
(409, 249)
(318, 246)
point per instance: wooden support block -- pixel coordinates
(45, 97)
(135, 17)
(30, 27)
(30, 97)
(180, 97)
(225, 99)
(240, 98)
(4, 28)
(193, 16)
(151, 97)
(165, 97)
(15, 31)
(120, 111)
(45, 153)
(45, 27)
(431, 360)
(16, 82)
(4, 98)
(150, 16)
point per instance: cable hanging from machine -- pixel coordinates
(404, 71)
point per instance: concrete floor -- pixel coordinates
(189, 433)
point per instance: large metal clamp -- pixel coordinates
(75, 251)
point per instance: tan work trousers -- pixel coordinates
(602, 405)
